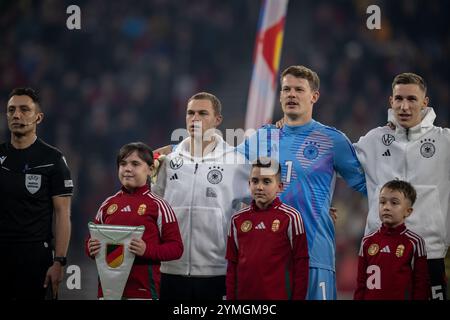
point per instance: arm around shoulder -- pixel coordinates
(346, 163)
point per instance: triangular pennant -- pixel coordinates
(114, 260)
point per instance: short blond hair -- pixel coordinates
(217, 106)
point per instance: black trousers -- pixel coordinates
(438, 279)
(175, 287)
(23, 270)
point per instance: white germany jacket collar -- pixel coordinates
(414, 133)
(215, 150)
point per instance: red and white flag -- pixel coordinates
(263, 86)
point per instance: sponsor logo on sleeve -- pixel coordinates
(68, 183)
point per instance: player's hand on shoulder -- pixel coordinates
(280, 123)
(163, 150)
(333, 214)
(158, 160)
(391, 125)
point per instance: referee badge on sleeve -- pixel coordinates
(33, 182)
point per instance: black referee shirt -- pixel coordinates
(29, 178)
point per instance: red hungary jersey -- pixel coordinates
(161, 236)
(267, 254)
(392, 266)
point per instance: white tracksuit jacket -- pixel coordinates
(204, 193)
(421, 156)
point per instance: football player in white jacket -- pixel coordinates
(415, 150)
(205, 181)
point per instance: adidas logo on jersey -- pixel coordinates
(126, 209)
(174, 177)
(260, 226)
(386, 249)
(387, 153)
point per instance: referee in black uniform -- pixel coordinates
(35, 184)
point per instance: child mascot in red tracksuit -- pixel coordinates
(393, 259)
(136, 205)
(267, 250)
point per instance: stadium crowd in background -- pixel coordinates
(126, 75)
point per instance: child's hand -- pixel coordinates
(280, 123)
(137, 246)
(94, 247)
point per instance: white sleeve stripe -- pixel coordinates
(159, 223)
(164, 207)
(170, 211)
(63, 195)
(164, 203)
(289, 233)
(161, 208)
(418, 242)
(233, 218)
(167, 213)
(291, 214)
(233, 230)
(298, 221)
(243, 210)
(369, 235)
(232, 223)
(99, 215)
(361, 248)
(298, 217)
(413, 242)
(293, 220)
(363, 241)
